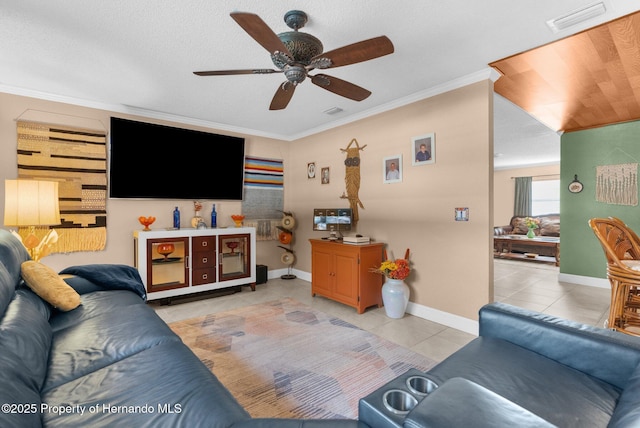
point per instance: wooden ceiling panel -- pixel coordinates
(584, 81)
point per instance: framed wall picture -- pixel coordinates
(324, 174)
(423, 148)
(392, 169)
(311, 170)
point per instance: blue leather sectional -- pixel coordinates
(113, 362)
(526, 369)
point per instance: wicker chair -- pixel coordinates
(621, 247)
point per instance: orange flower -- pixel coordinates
(394, 269)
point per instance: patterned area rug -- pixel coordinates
(284, 359)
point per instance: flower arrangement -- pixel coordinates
(532, 223)
(395, 269)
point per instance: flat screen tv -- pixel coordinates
(150, 161)
(332, 219)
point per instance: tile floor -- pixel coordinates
(525, 284)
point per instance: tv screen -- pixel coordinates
(332, 219)
(149, 161)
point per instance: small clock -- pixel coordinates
(575, 186)
(311, 170)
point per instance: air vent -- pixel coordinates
(576, 17)
(333, 110)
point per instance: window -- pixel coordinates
(545, 197)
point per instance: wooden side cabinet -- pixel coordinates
(176, 262)
(342, 272)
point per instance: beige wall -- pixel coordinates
(451, 260)
(504, 188)
(122, 215)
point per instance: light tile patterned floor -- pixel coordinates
(525, 284)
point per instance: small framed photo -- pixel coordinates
(392, 169)
(423, 148)
(311, 170)
(324, 174)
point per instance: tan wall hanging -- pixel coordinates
(352, 177)
(77, 160)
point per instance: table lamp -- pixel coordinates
(31, 203)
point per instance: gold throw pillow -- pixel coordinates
(47, 284)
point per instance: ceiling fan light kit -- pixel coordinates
(295, 54)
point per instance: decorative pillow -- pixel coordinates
(47, 284)
(519, 226)
(631, 264)
(549, 226)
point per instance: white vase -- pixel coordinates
(395, 296)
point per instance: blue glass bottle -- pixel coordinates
(214, 217)
(176, 218)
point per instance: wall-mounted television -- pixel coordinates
(150, 161)
(332, 219)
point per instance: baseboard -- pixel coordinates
(584, 280)
(277, 273)
(430, 314)
(451, 320)
(445, 318)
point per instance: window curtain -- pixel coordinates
(522, 200)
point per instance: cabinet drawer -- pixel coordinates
(204, 260)
(204, 276)
(204, 243)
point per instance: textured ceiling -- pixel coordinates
(138, 56)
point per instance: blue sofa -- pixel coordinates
(525, 369)
(110, 362)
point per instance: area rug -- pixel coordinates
(284, 359)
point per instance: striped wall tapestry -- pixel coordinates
(263, 195)
(77, 160)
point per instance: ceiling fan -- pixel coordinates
(296, 53)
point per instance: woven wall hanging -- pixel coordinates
(263, 196)
(352, 178)
(617, 184)
(77, 160)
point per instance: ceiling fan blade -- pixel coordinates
(234, 72)
(340, 87)
(354, 53)
(261, 33)
(283, 96)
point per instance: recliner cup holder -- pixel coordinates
(398, 401)
(421, 385)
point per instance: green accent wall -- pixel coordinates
(581, 152)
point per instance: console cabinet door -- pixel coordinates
(167, 259)
(345, 288)
(234, 256)
(321, 272)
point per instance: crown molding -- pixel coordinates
(485, 74)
